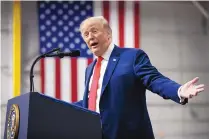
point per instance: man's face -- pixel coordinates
(96, 36)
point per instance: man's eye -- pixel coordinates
(86, 34)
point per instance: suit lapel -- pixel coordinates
(88, 77)
(89, 72)
(113, 60)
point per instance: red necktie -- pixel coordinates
(94, 85)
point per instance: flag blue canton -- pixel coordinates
(59, 25)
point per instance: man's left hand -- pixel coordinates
(189, 89)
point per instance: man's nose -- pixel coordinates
(91, 36)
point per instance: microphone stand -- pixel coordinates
(36, 60)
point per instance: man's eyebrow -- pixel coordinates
(84, 32)
(93, 27)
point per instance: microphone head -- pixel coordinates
(75, 53)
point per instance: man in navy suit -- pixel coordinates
(116, 82)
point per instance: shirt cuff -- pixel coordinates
(181, 98)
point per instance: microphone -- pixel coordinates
(72, 53)
(49, 52)
(36, 60)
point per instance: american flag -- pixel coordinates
(59, 27)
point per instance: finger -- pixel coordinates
(196, 91)
(200, 90)
(193, 81)
(195, 94)
(200, 86)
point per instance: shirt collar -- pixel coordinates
(108, 52)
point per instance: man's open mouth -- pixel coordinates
(94, 44)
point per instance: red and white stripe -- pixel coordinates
(64, 78)
(124, 19)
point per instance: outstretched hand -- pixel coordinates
(189, 89)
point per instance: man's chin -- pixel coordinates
(96, 53)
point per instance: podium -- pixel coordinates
(37, 116)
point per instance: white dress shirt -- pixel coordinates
(104, 63)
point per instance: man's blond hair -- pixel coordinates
(99, 18)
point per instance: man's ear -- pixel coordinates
(108, 34)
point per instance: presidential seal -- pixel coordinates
(13, 122)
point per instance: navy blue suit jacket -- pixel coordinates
(122, 104)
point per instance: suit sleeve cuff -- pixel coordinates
(182, 100)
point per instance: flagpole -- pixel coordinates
(16, 48)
